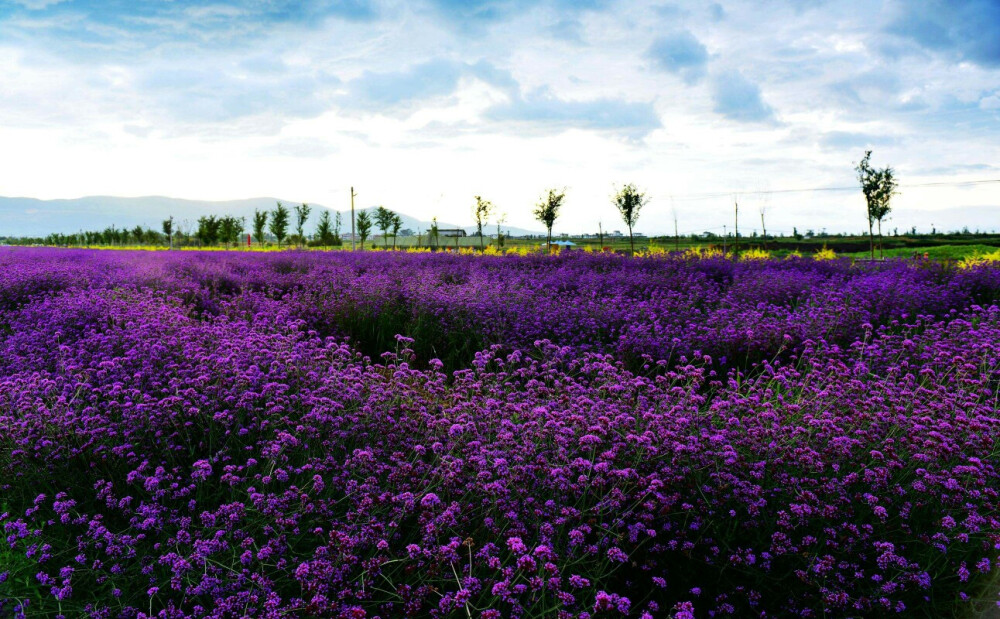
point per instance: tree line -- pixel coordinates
(878, 185)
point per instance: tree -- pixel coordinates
(629, 201)
(364, 224)
(547, 211)
(168, 229)
(279, 223)
(397, 223)
(259, 223)
(433, 233)
(384, 218)
(878, 187)
(301, 215)
(481, 211)
(500, 220)
(208, 230)
(324, 229)
(230, 230)
(337, 222)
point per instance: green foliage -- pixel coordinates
(168, 230)
(279, 223)
(629, 201)
(208, 230)
(384, 218)
(878, 187)
(433, 235)
(364, 225)
(397, 223)
(481, 211)
(231, 229)
(324, 229)
(547, 210)
(259, 224)
(301, 216)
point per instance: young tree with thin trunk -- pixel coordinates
(500, 220)
(547, 211)
(878, 187)
(208, 230)
(279, 223)
(383, 218)
(324, 229)
(227, 230)
(397, 223)
(433, 234)
(168, 229)
(364, 225)
(481, 211)
(259, 224)
(301, 216)
(629, 202)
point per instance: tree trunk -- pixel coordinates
(881, 256)
(871, 238)
(631, 241)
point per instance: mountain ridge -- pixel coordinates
(22, 216)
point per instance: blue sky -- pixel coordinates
(423, 104)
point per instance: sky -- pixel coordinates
(421, 105)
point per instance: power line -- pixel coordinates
(725, 194)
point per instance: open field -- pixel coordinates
(953, 246)
(212, 434)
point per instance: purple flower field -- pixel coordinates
(384, 434)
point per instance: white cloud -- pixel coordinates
(422, 105)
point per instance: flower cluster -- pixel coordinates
(202, 435)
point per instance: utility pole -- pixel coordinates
(353, 195)
(677, 240)
(600, 235)
(725, 233)
(736, 250)
(763, 227)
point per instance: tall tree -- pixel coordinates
(364, 225)
(384, 218)
(337, 223)
(878, 187)
(324, 229)
(629, 201)
(301, 215)
(230, 229)
(397, 223)
(500, 220)
(433, 234)
(208, 230)
(226, 232)
(547, 210)
(168, 229)
(279, 223)
(259, 224)
(481, 211)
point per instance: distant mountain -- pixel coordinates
(31, 217)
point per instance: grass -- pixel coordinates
(940, 252)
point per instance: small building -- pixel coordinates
(451, 232)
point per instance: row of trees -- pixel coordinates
(877, 184)
(628, 200)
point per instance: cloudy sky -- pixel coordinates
(422, 104)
